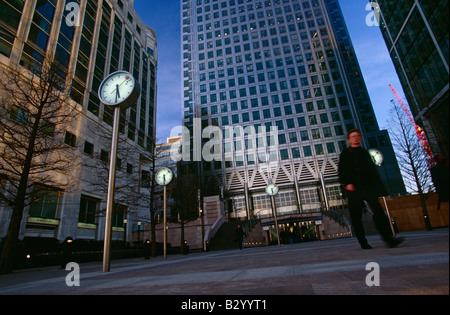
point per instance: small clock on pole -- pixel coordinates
(163, 177)
(272, 190)
(377, 156)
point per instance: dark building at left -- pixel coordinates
(83, 41)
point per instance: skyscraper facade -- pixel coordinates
(84, 41)
(416, 34)
(280, 82)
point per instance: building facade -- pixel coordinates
(84, 41)
(272, 87)
(416, 34)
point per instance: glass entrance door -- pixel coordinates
(294, 232)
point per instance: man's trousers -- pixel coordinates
(356, 205)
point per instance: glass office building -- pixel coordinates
(416, 34)
(278, 83)
(86, 40)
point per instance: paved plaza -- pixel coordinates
(419, 266)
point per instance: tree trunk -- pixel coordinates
(12, 237)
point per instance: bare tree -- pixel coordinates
(413, 159)
(150, 186)
(186, 202)
(128, 181)
(34, 113)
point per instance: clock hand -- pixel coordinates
(119, 85)
(117, 92)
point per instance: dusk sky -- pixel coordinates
(164, 18)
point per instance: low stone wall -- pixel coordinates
(408, 214)
(195, 232)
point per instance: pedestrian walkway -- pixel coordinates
(418, 266)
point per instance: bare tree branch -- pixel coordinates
(35, 111)
(412, 158)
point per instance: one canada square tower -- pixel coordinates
(270, 90)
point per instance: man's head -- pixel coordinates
(354, 138)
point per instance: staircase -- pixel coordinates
(337, 217)
(256, 237)
(225, 237)
(336, 225)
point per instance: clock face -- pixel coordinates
(377, 156)
(164, 176)
(119, 88)
(272, 190)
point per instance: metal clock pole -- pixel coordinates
(165, 221)
(110, 198)
(110, 96)
(272, 191)
(164, 181)
(274, 208)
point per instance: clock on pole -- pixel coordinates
(272, 190)
(163, 177)
(121, 91)
(377, 156)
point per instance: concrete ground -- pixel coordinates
(419, 266)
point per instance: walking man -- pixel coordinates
(239, 235)
(361, 180)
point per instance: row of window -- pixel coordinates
(265, 100)
(272, 156)
(263, 50)
(279, 85)
(251, 7)
(289, 123)
(262, 89)
(292, 87)
(277, 28)
(46, 203)
(285, 199)
(272, 56)
(249, 3)
(277, 111)
(257, 140)
(254, 135)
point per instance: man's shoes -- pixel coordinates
(395, 241)
(366, 246)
